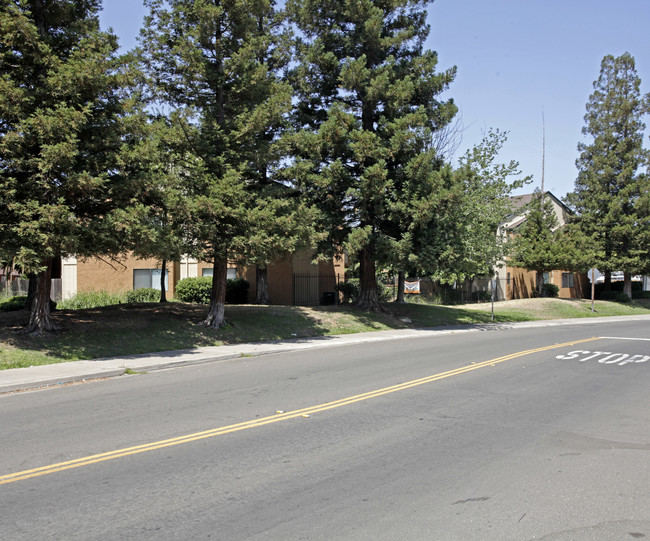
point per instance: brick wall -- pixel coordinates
(94, 274)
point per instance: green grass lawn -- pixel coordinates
(126, 329)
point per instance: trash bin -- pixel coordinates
(328, 298)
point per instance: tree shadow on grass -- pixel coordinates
(108, 331)
(130, 329)
(426, 316)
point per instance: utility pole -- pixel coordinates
(543, 149)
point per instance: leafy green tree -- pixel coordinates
(215, 67)
(452, 222)
(61, 113)
(611, 192)
(480, 205)
(367, 109)
(536, 243)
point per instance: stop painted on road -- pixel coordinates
(604, 357)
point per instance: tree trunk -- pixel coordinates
(368, 298)
(216, 311)
(261, 286)
(540, 283)
(163, 293)
(31, 289)
(39, 318)
(607, 284)
(627, 284)
(401, 278)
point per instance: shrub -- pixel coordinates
(637, 287)
(550, 290)
(237, 291)
(481, 296)
(642, 295)
(622, 297)
(414, 298)
(349, 289)
(196, 290)
(13, 303)
(91, 299)
(144, 294)
(385, 293)
(436, 298)
(606, 295)
(448, 295)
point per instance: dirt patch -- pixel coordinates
(535, 305)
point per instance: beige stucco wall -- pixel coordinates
(522, 284)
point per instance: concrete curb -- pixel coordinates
(33, 377)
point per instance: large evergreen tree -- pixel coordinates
(612, 192)
(60, 127)
(367, 110)
(214, 65)
(154, 223)
(536, 244)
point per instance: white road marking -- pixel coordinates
(607, 357)
(623, 338)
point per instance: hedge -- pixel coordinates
(13, 303)
(197, 290)
(144, 294)
(550, 290)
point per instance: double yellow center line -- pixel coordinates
(119, 453)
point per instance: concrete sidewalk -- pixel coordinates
(19, 379)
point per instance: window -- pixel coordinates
(508, 279)
(231, 273)
(149, 278)
(567, 279)
(546, 278)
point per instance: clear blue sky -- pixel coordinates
(515, 58)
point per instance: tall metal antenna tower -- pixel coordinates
(543, 149)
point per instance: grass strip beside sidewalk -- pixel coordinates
(127, 329)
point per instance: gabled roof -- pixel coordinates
(519, 202)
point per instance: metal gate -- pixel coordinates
(314, 289)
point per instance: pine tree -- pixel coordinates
(536, 243)
(61, 114)
(215, 66)
(154, 222)
(611, 192)
(366, 112)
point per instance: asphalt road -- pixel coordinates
(512, 434)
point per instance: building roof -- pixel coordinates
(519, 202)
